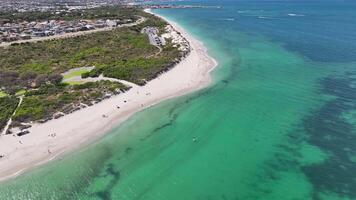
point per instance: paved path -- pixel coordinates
(10, 119)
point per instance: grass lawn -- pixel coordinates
(75, 73)
(3, 94)
(20, 92)
(74, 82)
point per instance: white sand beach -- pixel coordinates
(56, 137)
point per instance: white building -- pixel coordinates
(111, 23)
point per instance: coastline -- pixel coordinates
(87, 125)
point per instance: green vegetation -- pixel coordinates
(8, 105)
(21, 65)
(74, 82)
(95, 13)
(47, 100)
(20, 92)
(2, 94)
(34, 69)
(75, 73)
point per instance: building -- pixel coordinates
(111, 23)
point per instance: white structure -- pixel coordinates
(111, 23)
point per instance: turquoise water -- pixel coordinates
(278, 122)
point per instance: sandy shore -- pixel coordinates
(86, 125)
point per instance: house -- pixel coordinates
(99, 25)
(89, 27)
(39, 33)
(48, 33)
(111, 23)
(25, 37)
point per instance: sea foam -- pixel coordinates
(295, 15)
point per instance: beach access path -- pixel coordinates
(57, 137)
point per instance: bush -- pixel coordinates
(93, 73)
(32, 108)
(55, 78)
(8, 105)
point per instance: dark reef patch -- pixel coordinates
(174, 111)
(103, 195)
(128, 150)
(115, 177)
(328, 130)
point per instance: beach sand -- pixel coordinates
(56, 137)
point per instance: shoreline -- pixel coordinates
(85, 126)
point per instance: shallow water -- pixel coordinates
(277, 123)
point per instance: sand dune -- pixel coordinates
(55, 138)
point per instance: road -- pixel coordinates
(67, 35)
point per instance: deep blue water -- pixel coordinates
(323, 34)
(320, 30)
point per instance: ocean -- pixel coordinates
(278, 121)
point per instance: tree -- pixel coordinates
(27, 78)
(9, 79)
(55, 79)
(40, 80)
